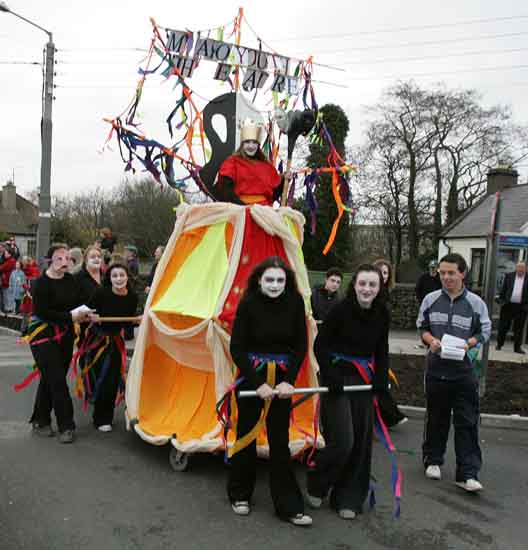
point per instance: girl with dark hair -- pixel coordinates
(51, 334)
(268, 345)
(351, 346)
(103, 351)
(391, 415)
(247, 177)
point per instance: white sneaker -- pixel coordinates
(345, 513)
(240, 507)
(105, 428)
(471, 485)
(433, 472)
(301, 519)
(313, 502)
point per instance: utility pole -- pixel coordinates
(44, 223)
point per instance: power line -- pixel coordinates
(441, 56)
(481, 69)
(427, 43)
(20, 63)
(403, 29)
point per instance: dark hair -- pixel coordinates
(333, 271)
(253, 286)
(54, 247)
(369, 268)
(259, 155)
(389, 285)
(454, 258)
(107, 281)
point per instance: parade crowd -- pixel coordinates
(268, 345)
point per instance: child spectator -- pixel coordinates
(17, 282)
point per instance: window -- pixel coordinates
(32, 248)
(476, 274)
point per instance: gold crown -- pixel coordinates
(250, 130)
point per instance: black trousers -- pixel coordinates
(53, 360)
(459, 397)
(104, 404)
(344, 464)
(390, 413)
(508, 313)
(285, 493)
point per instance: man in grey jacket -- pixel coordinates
(451, 385)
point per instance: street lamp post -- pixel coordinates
(44, 221)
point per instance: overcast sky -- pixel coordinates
(478, 44)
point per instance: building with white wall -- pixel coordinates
(468, 234)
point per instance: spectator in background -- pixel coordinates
(390, 413)
(76, 257)
(17, 282)
(132, 263)
(325, 296)
(2, 250)
(6, 268)
(428, 282)
(108, 241)
(157, 255)
(30, 268)
(513, 298)
(15, 251)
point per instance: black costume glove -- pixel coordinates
(335, 388)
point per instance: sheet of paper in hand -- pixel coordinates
(81, 309)
(453, 348)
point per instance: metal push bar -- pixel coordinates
(297, 391)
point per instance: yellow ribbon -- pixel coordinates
(29, 337)
(247, 439)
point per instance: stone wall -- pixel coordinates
(404, 307)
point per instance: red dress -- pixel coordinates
(255, 180)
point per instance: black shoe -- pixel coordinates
(498, 348)
(519, 350)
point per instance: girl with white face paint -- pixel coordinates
(268, 345)
(114, 298)
(353, 336)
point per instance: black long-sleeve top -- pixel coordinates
(269, 325)
(53, 299)
(108, 304)
(354, 331)
(87, 285)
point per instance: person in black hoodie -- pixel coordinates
(55, 298)
(269, 331)
(354, 334)
(105, 342)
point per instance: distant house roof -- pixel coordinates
(476, 221)
(22, 222)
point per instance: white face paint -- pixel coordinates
(93, 260)
(367, 287)
(118, 278)
(273, 282)
(60, 261)
(250, 147)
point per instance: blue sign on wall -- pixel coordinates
(515, 241)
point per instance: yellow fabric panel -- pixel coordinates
(187, 242)
(198, 283)
(175, 399)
